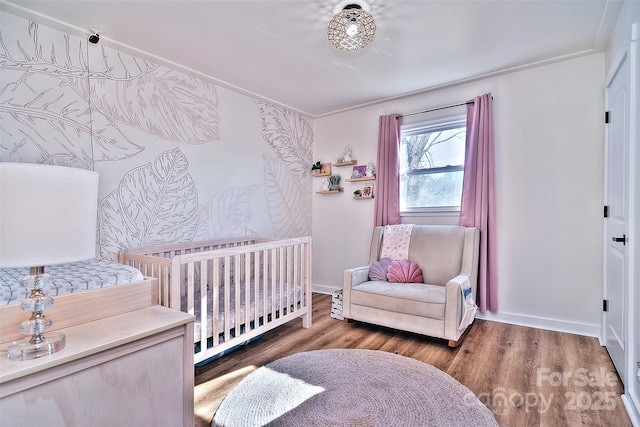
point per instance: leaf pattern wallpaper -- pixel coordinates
(154, 135)
(229, 212)
(44, 101)
(286, 172)
(154, 204)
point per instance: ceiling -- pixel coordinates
(277, 50)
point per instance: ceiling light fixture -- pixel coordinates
(352, 28)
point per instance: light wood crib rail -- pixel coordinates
(251, 286)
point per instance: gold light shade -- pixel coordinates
(351, 29)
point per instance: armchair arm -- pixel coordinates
(352, 277)
(453, 307)
(355, 276)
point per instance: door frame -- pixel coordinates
(631, 396)
(623, 59)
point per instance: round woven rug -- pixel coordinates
(350, 388)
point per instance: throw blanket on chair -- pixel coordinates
(395, 241)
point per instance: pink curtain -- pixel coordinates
(477, 208)
(388, 171)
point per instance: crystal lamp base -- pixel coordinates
(36, 345)
(24, 349)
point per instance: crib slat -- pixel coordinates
(295, 279)
(274, 278)
(237, 273)
(256, 288)
(163, 279)
(190, 287)
(265, 288)
(306, 297)
(280, 281)
(176, 284)
(216, 301)
(291, 262)
(247, 291)
(227, 298)
(204, 323)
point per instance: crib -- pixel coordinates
(237, 289)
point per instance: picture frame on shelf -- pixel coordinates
(325, 169)
(367, 191)
(359, 171)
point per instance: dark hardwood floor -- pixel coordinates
(526, 376)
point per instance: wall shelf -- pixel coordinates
(366, 178)
(322, 174)
(363, 197)
(331, 191)
(351, 163)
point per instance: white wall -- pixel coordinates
(549, 157)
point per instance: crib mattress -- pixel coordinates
(68, 278)
(275, 301)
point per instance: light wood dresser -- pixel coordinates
(132, 369)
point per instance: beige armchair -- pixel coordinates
(448, 257)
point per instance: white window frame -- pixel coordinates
(445, 123)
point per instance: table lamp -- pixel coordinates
(48, 215)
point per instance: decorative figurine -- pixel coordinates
(371, 170)
(346, 154)
(325, 184)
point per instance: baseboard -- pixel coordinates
(632, 409)
(515, 319)
(543, 323)
(320, 289)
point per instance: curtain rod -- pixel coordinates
(435, 109)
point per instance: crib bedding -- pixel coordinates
(277, 298)
(68, 278)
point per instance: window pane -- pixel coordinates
(432, 190)
(431, 166)
(432, 149)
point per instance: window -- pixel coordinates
(431, 166)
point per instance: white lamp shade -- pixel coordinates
(48, 214)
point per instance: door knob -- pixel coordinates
(622, 239)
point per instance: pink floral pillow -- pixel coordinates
(403, 271)
(378, 270)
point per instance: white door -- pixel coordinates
(616, 225)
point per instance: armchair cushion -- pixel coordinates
(438, 251)
(416, 299)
